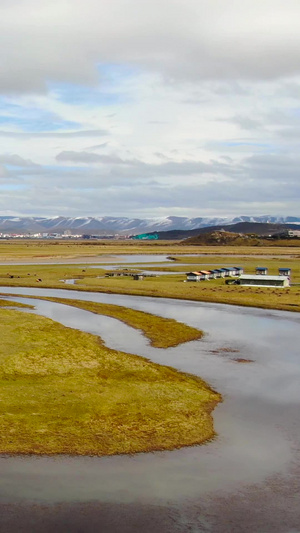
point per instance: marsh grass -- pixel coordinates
(172, 286)
(43, 250)
(40, 250)
(210, 291)
(9, 303)
(64, 392)
(162, 332)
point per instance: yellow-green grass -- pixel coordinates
(64, 392)
(9, 303)
(55, 274)
(248, 261)
(169, 286)
(242, 242)
(40, 275)
(187, 264)
(206, 291)
(162, 332)
(43, 250)
(39, 250)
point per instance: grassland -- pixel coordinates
(211, 291)
(168, 286)
(8, 304)
(64, 392)
(162, 332)
(44, 251)
(48, 250)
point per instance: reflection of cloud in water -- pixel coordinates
(253, 423)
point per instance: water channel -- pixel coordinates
(247, 479)
(101, 259)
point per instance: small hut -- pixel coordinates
(193, 276)
(205, 274)
(238, 271)
(261, 271)
(138, 277)
(220, 272)
(225, 272)
(230, 271)
(214, 274)
(284, 271)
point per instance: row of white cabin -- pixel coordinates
(214, 274)
(230, 272)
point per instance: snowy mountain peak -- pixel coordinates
(104, 225)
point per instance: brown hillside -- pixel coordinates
(223, 238)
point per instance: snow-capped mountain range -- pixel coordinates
(125, 226)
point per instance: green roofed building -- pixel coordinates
(146, 236)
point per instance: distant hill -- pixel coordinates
(262, 229)
(259, 237)
(105, 225)
(222, 237)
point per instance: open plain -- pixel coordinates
(56, 264)
(67, 393)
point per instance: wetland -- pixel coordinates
(244, 479)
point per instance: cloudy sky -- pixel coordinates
(149, 108)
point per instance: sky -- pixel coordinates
(149, 108)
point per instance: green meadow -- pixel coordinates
(64, 392)
(168, 286)
(161, 332)
(48, 250)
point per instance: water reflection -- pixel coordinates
(254, 424)
(106, 259)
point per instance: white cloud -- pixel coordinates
(52, 134)
(182, 39)
(16, 160)
(164, 92)
(88, 157)
(3, 172)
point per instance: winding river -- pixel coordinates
(247, 479)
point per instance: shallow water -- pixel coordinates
(107, 260)
(127, 259)
(258, 424)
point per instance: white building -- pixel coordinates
(256, 280)
(261, 271)
(294, 233)
(193, 276)
(284, 271)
